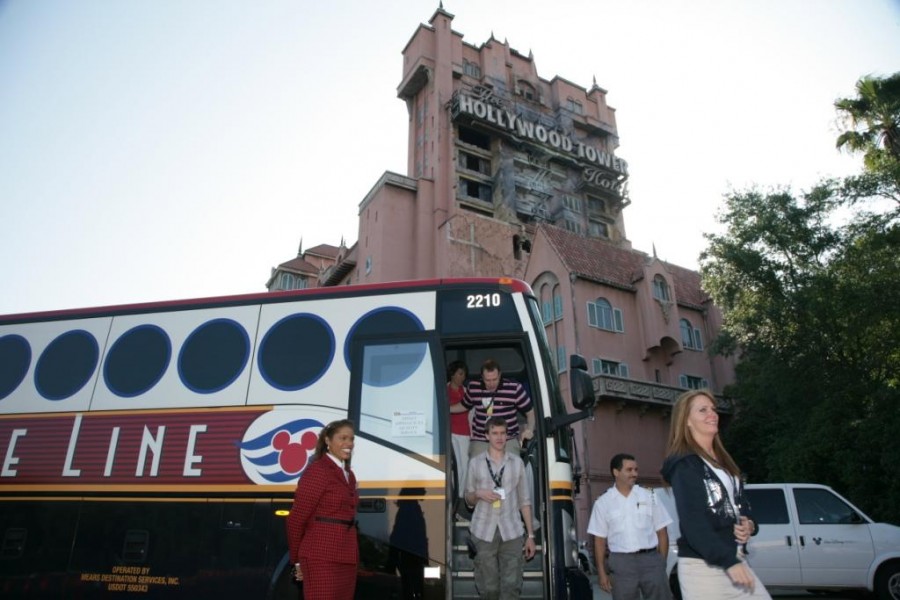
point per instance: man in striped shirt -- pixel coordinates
(495, 396)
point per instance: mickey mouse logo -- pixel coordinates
(273, 451)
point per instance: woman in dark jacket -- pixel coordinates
(714, 516)
(321, 527)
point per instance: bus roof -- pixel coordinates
(507, 283)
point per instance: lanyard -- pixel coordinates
(498, 479)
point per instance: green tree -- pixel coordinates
(812, 307)
(812, 304)
(871, 123)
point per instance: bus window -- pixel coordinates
(398, 397)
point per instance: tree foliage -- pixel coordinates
(811, 298)
(872, 120)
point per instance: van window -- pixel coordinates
(821, 507)
(768, 506)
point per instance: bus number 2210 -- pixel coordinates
(482, 300)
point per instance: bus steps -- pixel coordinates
(464, 576)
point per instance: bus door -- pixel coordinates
(400, 459)
(511, 357)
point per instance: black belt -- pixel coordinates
(644, 551)
(349, 523)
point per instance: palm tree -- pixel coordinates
(872, 120)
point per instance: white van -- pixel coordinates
(811, 538)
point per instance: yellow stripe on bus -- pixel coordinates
(218, 488)
(112, 489)
(556, 487)
(567, 485)
(208, 499)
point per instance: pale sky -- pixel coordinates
(165, 149)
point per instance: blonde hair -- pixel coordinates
(327, 433)
(681, 440)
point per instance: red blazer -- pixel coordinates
(322, 496)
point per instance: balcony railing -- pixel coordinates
(621, 389)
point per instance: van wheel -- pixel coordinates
(887, 583)
(674, 586)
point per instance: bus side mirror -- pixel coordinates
(580, 383)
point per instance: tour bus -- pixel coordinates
(152, 450)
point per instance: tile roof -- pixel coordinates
(326, 250)
(594, 259)
(601, 261)
(298, 265)
(687, 286)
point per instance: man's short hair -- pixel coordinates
(490, 365)
(495, 421)
(616, 463)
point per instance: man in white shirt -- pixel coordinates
(631, 523)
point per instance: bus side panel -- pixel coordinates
(149, 549)
(36, 542)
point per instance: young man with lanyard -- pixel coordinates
(629, 521)
(496, 486)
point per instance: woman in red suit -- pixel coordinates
(321, 528)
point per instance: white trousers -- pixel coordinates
(700, 581)
(461, 452)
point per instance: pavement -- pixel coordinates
(775, 593)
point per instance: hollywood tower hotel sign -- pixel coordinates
(600, 168)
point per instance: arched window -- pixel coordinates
(690, 335)
(660, 289)
(687, 333)
(547, 288)
(557, 304)
(602, 315)
(287, 281)
(546, 304)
